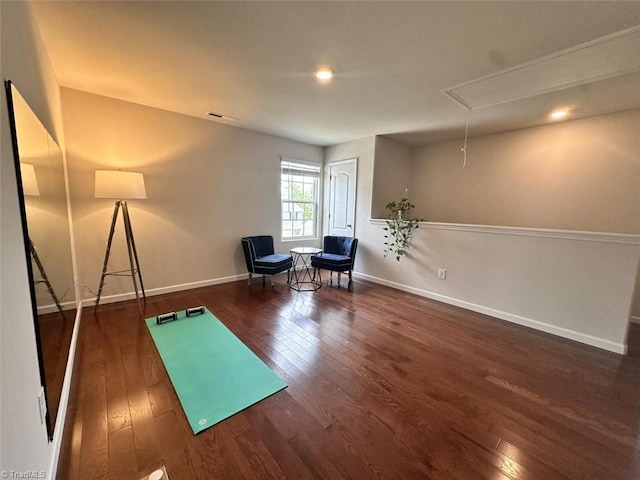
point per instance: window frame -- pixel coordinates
(315, 169)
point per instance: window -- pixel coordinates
(299, 199)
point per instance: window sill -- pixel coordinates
(299, 239)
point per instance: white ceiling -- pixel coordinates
(253, 61)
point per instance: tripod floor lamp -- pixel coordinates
(121, 186)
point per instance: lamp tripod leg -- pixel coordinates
(44, 277)
(136, 275)
(108, 251)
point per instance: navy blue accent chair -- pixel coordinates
(261, 259)
(338, 255)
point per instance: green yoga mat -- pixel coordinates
(214, 374)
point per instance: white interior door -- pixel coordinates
(342, 197)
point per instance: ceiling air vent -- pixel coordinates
(220, 116)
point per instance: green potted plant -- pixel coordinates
(399, 227)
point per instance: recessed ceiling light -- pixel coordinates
(323, 73)
(558, 114)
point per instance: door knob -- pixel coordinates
(349, 226)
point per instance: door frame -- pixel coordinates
(327, 192)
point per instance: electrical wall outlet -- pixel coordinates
(43, 405)
(442, 274)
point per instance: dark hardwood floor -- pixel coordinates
(382, 384)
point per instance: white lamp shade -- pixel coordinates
(119, 184)
(29, 179)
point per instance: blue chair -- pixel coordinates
(261, 259)
(338, 255)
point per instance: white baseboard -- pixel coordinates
(43, 310)
(527, 322)
(56, 443)
(162, 290)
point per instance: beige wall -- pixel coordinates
(391, 175)
(574, 175)
(23, 438)
(207, 184)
